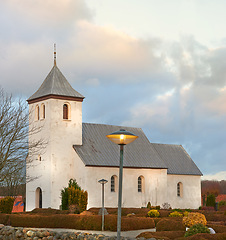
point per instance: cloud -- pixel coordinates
(174, 90)
(49, 12)
(217, 176)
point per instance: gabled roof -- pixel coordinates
(55, 84)
(177, 159)
(97, 150)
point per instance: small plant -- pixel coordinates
(197, 228)
(6, 204)
(153, 213)
(177, 210)
(166, 206)
(186, 213)
(175, 214)
(222, 203)
(149, 205)
(210, 202)
(194, 218)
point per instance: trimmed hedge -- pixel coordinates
(164, 234)
(74, 221)
(217, 228)
(170, 225)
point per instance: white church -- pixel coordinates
(152, 172)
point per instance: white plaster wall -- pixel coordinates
(191, 196)
(155, 182)
(56, 167)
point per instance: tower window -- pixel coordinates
(65, 111)
(37, 113)
(43, 111)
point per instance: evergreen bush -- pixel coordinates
(210, 202)
(197, 228)
(74, 198)
(6, 204)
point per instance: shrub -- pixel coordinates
(186, 213)
(170, 225)
(197, 228)
(83, 200)
(162, 235)
(149, 205)
(194, 218)
(153, 213)
(74, 197)
(175, 214)
(222, 203)
(6, 204)
(210, 202)
(177, 210)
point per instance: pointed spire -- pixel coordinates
(54, 54)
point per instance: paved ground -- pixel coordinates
(131, 234)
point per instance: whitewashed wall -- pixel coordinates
(191, 196)
(57, 164)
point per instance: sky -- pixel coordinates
(157, 65)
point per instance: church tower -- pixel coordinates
(56, 109)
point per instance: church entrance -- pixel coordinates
(38, 198)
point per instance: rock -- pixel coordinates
(30, 233)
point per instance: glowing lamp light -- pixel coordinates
(122, 137)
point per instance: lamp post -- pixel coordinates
(121, 137)
(102, 181)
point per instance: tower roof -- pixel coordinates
(55, 86)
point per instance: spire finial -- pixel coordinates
(54, 54)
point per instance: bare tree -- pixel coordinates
(14, 147)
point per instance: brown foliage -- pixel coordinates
(163, 234)
(170, 225)
(139, 212)
(81, 222)
(217, 228)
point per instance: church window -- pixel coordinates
(140, 184)
(179, 189)
(43, 111)
(113, 183)
(37, 112)
(39, 158)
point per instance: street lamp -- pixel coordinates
(102, 181)
(121, 137)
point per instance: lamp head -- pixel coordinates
(122, 137)
(102, 181)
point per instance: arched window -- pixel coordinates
(140, 184)
(65, 111)
(39, 158)
(37, 112)
(38, 198)
(43, 109)
(114, 183)
(179, 189)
